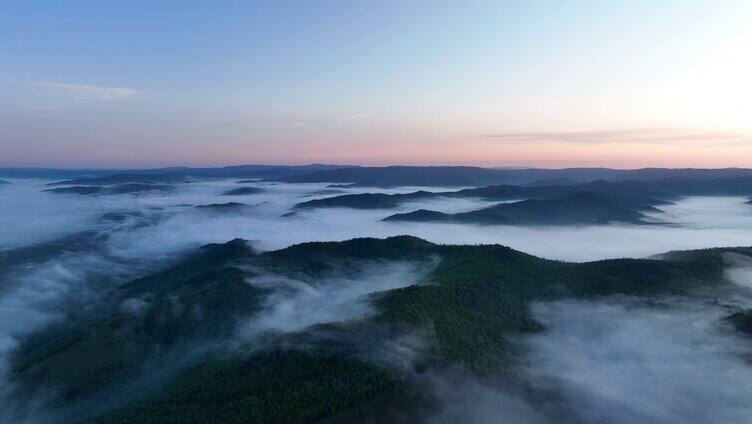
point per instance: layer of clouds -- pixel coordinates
(296, 304)
(464, 398)
(618, 361)
(631, 136)
(40, 290)
(91, 92)
(36, 294)
(740, 270)
(28, 215)
(702, 222)
(158, 228)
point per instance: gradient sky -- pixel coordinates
(554, 84)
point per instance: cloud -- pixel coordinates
(228, 124)
(91, 92)
(621, 361)
(240, 123)
(32, 216)
(640, 136)
(358, 116)
(703, 222)
(296, 304)
(618, 360)
(42, 108)
(740, 270)
(37, 292)
(464, 398)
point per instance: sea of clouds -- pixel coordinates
(616, 360)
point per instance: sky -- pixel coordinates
(491, 83)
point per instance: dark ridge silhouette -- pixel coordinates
(581, 208)
(243, 191)
(463, 176)
(130, 188)
(627, 191)
(76, 190)
(229, 207)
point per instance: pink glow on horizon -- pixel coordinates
(551, 156)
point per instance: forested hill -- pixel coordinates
(649, 193)
(128, 188)
(184, 321)
(583, 208)
(630, 192)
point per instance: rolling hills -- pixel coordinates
(655, 192)
(166, 347)
(127, 188)
(169, 175)
(223, 208)
(626, 191)
(583, 208)
(243, 191)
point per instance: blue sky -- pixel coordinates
(144, 83)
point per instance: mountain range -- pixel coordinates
(361, 176)
(466, 176)
(127, 188)
(594, 202)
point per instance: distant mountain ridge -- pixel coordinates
(127, 188)
(582, 208)
(651, 193)
(468, 176)
(184, 174)
(229, 207)
(364, 176)
(243, 191)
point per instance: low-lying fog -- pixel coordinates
(296, 304)
(30, 215)
(617, 361)
(621, 362)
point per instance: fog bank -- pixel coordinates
(620, 361)
(295, 303)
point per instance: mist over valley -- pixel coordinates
(120, 298)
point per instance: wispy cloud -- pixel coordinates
(50, 19)
(357, 116)
(42, 108)
(228, 124)
(295, 124)
(91, 92)
(638, 135)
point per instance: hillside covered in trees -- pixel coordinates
(575, 209)
(192, 344)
